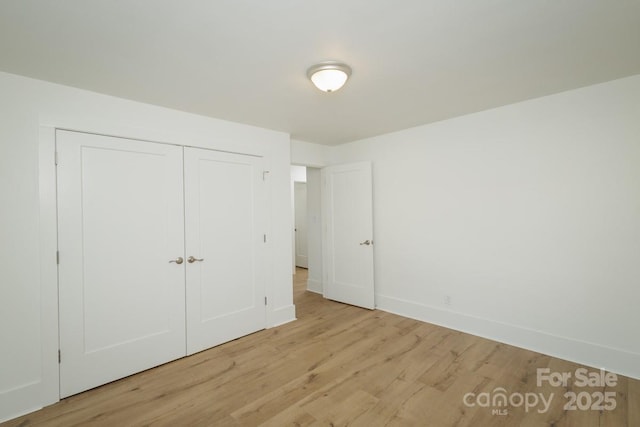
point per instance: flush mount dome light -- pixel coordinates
(329, 76)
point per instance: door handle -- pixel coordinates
(193, 259)
(366, 243)
(178, 260)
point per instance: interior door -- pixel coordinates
(300, 204)
(348, 234)
(225, 235)
(120, 224)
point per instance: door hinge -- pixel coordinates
(55, 158)
(59, 356)
(265, 300)
(264, 237)
(58, 257)
(264, 174)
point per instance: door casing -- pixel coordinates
(46, 388)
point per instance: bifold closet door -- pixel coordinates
(120, 223)
(225, 244)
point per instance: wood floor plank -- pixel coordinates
(340, 365)
(390, 401)
(633, 403)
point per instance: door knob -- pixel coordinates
(366, 242)
(178, 260)
(193, 259)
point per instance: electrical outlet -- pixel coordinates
(447, 300)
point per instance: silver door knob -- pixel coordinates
(193, 259)
(178, 260)
(366, 242)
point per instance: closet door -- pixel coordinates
(120, 225)
(224, 209)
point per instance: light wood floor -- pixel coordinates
(338, 365)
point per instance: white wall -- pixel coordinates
(527, 216)
(27, 104)
(309, 154)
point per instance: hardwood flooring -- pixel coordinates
(341, 365)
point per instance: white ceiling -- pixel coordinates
(414, 61)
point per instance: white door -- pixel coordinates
(348, 234)
(120, 223)
(300, 203)
(224, 208)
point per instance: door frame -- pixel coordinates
(48, 266)
(47, 388)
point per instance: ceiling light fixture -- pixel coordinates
(329, 76)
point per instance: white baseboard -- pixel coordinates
(280, 316)
(594, 355)
(314, 286)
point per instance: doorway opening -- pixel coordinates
(307, 228)
(332, 234)
(300, 245)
